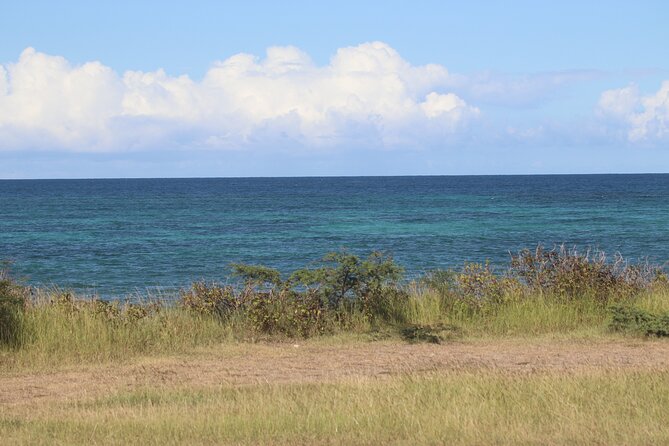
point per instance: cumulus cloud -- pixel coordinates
(367, 95)
(44, 99)
(641, 118)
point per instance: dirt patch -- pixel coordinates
(312, 363)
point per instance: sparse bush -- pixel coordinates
(287, 312)
(65, 301)
(106, 310)
(479, 286)
(114, 311)
(568, 273)
(310, 301)
(660, 280)
(475, 288)
(276, 310)
(210, 299)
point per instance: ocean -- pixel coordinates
(116, 237)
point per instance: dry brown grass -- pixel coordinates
(313, 362)
(514, 391)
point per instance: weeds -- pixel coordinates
(210, 299)
(114, 312)
(568, 273)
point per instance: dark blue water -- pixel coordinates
(120, 236)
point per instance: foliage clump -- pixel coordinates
(636, 320)
(346, 279)
(210, 299)
(309, 301)
(557, 276)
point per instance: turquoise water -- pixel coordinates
(120, 236)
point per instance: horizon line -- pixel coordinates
(336, 176)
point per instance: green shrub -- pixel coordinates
(346, 276)
(630, 319)
(276, 310)
(479, 287)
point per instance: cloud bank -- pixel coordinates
(367, 95)
(637, 118)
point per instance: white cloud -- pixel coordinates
(643, 118)
(367, 95)
(436, 105)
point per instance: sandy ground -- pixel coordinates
(314, 363)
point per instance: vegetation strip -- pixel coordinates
(543, 291)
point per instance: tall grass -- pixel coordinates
(485, 407)
(57, 329)
(531, 315)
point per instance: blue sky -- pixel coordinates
(128, 89)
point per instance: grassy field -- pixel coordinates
(191, 379)
(563, 349)
(302, 397)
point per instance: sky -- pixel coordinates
(228, 89)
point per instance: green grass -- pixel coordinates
(655, 301)
(488, 407)
(529, 316)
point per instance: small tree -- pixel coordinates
(344, 275)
